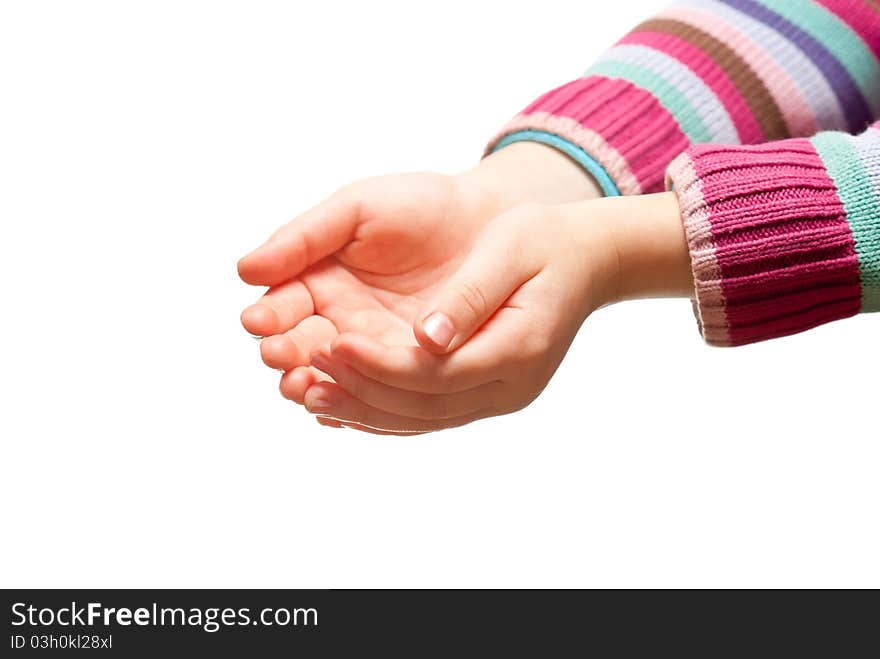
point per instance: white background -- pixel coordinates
(144, 147)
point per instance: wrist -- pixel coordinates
(624, 248)
(650, 246)
(529, 172)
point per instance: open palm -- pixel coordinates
(365, 260)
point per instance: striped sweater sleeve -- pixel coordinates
(738, 72)
(782, 236)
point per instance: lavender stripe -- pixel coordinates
(858, 113)
(817, 92)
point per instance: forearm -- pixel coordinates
(651, 248)
(768, 240)
(631, 247)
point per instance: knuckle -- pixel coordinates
(473, 298)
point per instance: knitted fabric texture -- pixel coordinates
(783, 231)
(720, 71)
(783, 236)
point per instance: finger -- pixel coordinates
(405, 367)
(403, 402)
(327, 421)
(323, 230)
(415, 369)
(291, 349)
(331, 400)
(335, 423)
(282, 307)
(295, 383)
(495, 267)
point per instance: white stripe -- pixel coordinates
(704, 101)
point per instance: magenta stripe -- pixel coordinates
(713, 75)
(786, 258)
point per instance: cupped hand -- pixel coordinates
(509, 312)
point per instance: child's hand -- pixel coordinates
(513, 306)
(368, 258)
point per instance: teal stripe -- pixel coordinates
(850, 176)
(573, 151)
(673, 100)
(847, 46)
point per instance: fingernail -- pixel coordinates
(319, 406)
(321, 361)
(255, 337)
(439, 329)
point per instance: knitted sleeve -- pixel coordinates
(712, 71)
(782, 236)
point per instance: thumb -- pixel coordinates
(496, 266)
(317, 233)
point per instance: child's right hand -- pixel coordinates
(509, 313)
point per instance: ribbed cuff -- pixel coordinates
(771, 249)
(620, 127)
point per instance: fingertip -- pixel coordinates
(318, 398)
(295, 383)
(279, 351)
(426, 343)
(260, 320)
(265, 266)
(435, 333)
(329, 422)
(247, 268)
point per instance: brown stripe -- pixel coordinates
(752, 88)
(874, 4)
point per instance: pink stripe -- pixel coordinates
(713, 75)
(630, 119)
(709, 304)
(861, 19)
(795, 109)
